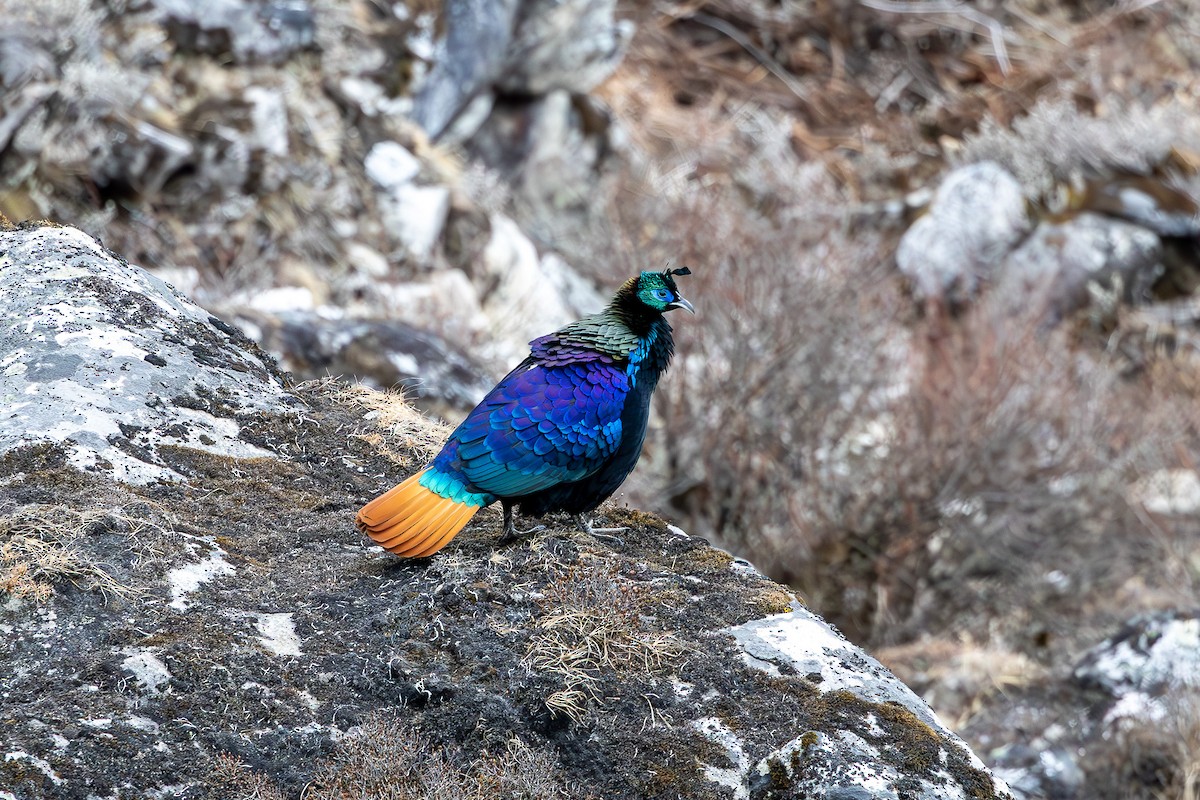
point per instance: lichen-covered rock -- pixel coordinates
(885, 726)
(1153, 654)
(108, 361)
(230, 634)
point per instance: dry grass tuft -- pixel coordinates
(40, 547)
(594, 621)
(237, 780)
(403, 426)
(387, 759)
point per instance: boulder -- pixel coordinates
(976, 216)
(200, 619)
(432, 372)
(524, 48)
(1063, 266)
(107, 361)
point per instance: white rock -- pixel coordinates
(187, 579)
(268, 113)
(89, 342)
(389, 165)
(149, 670)
(976, 216)
(416, 215)
(283, 298)
(1171, 492)
(524, 303)
(735, 778)
(366, 259)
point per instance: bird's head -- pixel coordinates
(657, 290)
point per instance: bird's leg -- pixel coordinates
(511, 533)
(585, 525)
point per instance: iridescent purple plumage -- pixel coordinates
(563, 430)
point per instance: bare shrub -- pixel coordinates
(797, 345)
(898, 471)
(1156, 757)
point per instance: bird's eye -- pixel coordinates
(662, 294)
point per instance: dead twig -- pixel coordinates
(993, 26)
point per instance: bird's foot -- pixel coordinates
(511, 534)
(585, 525)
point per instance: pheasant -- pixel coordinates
(559, 433)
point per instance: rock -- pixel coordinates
(552, 151)
(389, 165)
(23, 58)
(569, 45)
(415, 215)
(1062, 264)
(143, 158)
(525, 48)
(1154, 652)
(467, 61)
(106, 360)
(888, 719)
(269, 122)
(1173, 492)
(523, 302)
(977, 215)
(1052, 773)
(230, 634)
(446, 304)
(251, 31)
(366, 260)
(1149, 202)
(435, 374)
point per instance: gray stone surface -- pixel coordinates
(565, 44)
(977, 215)
(526, 48)
(252, 31)
(467, 61)
(109, 361)
(431, 371)
(856, 762)
(1063, 266)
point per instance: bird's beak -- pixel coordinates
(682, 303)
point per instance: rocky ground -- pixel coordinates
(942, 381)
(189, 612)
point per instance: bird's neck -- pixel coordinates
(638, 317)
(657, 347)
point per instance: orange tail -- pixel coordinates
(411, 521)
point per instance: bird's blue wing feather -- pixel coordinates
(542, 425)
